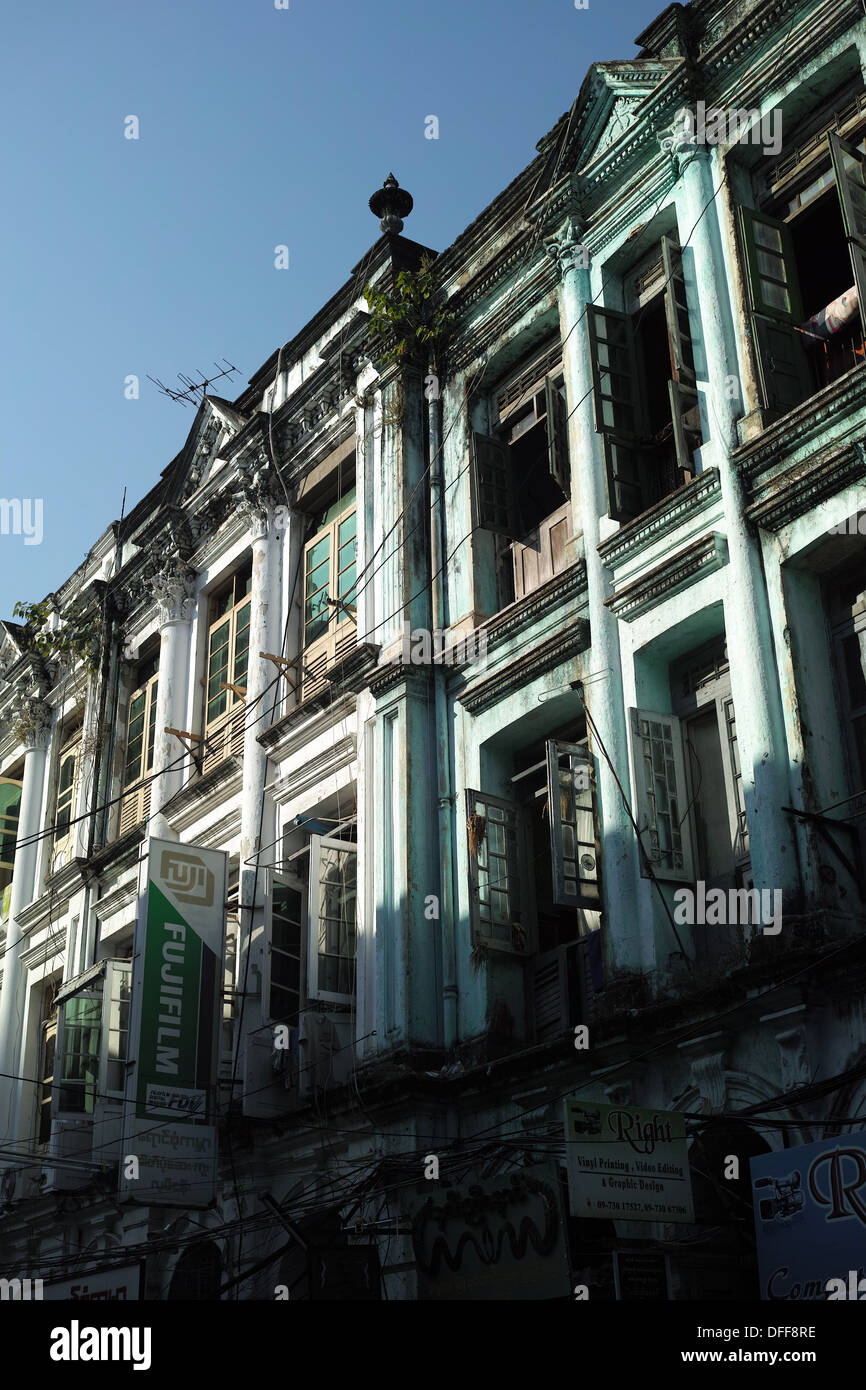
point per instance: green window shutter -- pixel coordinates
(662, 800)
(783, 368)
(682, 388)
(493, 485)
(557, 435)
(849, 167)
(499, 910)
(571, 813)
(774, 286)
(618, 408)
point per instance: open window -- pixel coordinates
(845, 601)
(10, 810)
(47, 1046)
(534, 879)
(521, 476)
(230, 612)
(68, 775)
(804, 252)
(332, 920)
(93, 1043)
(330, 578)
(644, 386)
(140, 741)
(286, 950)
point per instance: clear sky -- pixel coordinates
(258, 127)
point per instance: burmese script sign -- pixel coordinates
(502, 1238)
(627, 1163)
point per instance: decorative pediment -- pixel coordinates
(610, 104)
(11, 646)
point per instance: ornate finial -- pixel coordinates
(391, 204)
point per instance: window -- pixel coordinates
(10, 810)
(329, 592)
(846, 601)
(47, 1043)
(287, 915)
(94, 1040)
(691, 810)
(804, 250)
(644, 389)
(228, 655)
(534, 879)
(64, 805)
(332, 937)
(229, 1005)
(140, 740)
(521, 476)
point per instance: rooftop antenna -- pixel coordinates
(188, 395)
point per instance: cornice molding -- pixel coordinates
(527, 667)
(300, 726)
(784, 497)
(663, 519)
(294, 783)
(702, 557)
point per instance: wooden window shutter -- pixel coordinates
(618, 408)
(685, 413)
(849, 167)
(499, 911)
(662, 800)
(493, 486)
(557, 435)
(573, 835)
(777, 311)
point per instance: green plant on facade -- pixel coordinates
(409, 321)
(76, 639)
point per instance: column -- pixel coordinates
(754, 676)
(624, 948)
(172, 585)
(34, 724)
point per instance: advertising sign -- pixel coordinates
(810, 1219)
(178, 1004)
(627, 1163)
(500, 1238)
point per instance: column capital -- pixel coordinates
(566, 249)
(171, 582)
(254, 498)
(32, 715)
(680, 139)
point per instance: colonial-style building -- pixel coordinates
(627, 483)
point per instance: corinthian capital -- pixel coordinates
(32, 718)
(254, 497)
(566, 249)
(172, 588)
(680, 139)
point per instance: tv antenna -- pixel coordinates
(188, 395)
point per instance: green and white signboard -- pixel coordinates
(177, 993)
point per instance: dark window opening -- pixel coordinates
(825, 274)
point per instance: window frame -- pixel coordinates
(136, 792)
(286, 879)
(339, 634)
(314, 991)
(69, 751)
(223, 733)
(522, 942)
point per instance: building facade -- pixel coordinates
(521, 680)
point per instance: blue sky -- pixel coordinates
(258, 127)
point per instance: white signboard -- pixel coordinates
(627, 1163)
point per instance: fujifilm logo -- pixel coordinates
(76, 1343)
(20, 1290)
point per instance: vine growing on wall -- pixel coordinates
(76, 638)
(409, 321)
